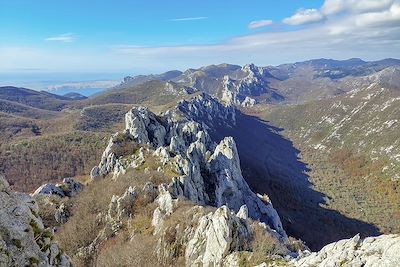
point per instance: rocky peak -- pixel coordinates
(208, 173)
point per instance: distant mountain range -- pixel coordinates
(288, 83)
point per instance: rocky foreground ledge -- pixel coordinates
(24, 241)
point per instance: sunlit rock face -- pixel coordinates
(377, 251)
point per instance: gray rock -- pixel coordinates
(22, 234)
(248, 102)
(207, 110)
(70, 187)
(49, 189)
(150, 192)
(62, 214)
(143, 125)
(381, 251)
(217, 235)
(243, 213)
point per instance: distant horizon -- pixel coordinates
(57, 82)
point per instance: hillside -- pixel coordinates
(67, 142)
(350, 143)
(41, 100)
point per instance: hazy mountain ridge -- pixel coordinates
(291, 83)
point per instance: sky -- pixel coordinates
(153, 36)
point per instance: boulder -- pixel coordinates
(49, 189)
(68, 188)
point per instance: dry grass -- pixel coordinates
(122, 252)
(85, 224)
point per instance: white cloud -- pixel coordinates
(259, 23)
(304, 16)
(331, 7)
(66, 38)
(189, 19)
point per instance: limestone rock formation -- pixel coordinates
(23, 239)
(49, 189)
(248, 102)
(205, 109)
(233, 191)
(208, 174)
(382, 251)
(69, 187)
(217, 235)
(121, 207)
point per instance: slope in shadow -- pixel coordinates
(271, 165)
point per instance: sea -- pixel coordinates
(58, 83)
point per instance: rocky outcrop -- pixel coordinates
(204, 109)
(232, 190)
(249, 82)
(217, 235)
(248, 102)
(62, 214)
(49, 189)
(382, 251)
(121, 207)
(207, 173)
(23, 239)
(68, 188)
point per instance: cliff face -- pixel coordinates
(24, 241)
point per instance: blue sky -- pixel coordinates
(147, 23)
(153, 36)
